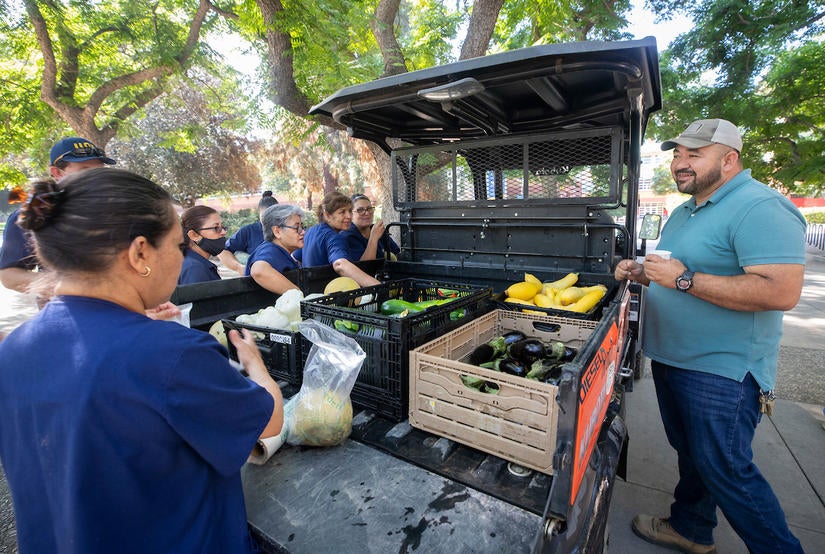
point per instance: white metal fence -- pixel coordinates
(816, 235)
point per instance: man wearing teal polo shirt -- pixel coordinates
(712, 327)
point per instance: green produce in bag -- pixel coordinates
(321, 413)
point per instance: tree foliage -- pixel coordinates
(193, 141)
(86, 68)
(528, 22)
(663, 183)
(305, 161)
(758, 64)
(386, 37)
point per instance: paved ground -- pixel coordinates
(789, 447)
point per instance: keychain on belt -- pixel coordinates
(766, 401)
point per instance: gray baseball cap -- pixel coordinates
(706, 132)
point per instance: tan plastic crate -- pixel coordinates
(517, 424)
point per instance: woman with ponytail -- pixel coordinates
(119, 432)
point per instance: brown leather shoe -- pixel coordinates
(658, 531)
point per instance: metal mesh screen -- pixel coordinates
(570, 165)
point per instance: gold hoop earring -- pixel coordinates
(147, 272)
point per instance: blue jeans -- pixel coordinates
(710, 421)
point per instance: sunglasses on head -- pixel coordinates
(82, 152)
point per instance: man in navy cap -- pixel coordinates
(17, 261)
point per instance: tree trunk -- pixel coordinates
(285, 92)
(480, 29)
(330, 180)
(384, 30)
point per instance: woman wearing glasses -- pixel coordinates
(283, 229)
(205, 236)
(149, 414)
(366, 240)
(324, 245)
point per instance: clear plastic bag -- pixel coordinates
(321, 413)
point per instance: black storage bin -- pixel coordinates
(383, 382)
(280, 350)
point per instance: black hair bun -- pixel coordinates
(42, 205)
(266, 194)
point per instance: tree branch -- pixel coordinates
(194, 33)
(41, 31)
(226, 14)
(59, 95)
(480, 29)
(383, 29)
(285, 92)
(130, 79)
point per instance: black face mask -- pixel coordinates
(213, 247)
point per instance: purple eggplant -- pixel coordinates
(513, 336)
(482, 353)
(513, 367)
(488, 351)
(527, 351)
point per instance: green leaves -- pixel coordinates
(758, 65)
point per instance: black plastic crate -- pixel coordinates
(280, 350)
(383, 382)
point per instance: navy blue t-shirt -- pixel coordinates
(246, 239)
(119, 433)
(357, 244)
(197, 269)
(274, 255)
(322, 246)
(16, 250)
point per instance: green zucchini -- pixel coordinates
(396, 306)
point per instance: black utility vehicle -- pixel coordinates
(514, 163)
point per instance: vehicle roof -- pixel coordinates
(577, 85)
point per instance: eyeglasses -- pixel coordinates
(82, 152)
(217, 228)
(298, 228)
(365, 210)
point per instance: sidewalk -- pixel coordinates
(789, 448)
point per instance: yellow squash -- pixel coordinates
(586, 302)
(530, 278)
(570, 295)
(543, 301)
(567, 281)
(514, 300)
(522, 291)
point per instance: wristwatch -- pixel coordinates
(684, 282)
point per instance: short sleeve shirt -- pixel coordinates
(197, 269)
(274, 255)
(16, 250)
(357, 244)
(323, 245)
(246, 239)
(744, 223)
(125, 434)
